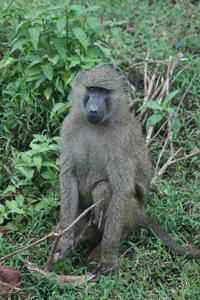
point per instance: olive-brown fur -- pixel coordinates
(107, 161)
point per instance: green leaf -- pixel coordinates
(68, 77)
(9, 190)
(61, 24)
(78, 9)
(58, 109)
(152, 105)
(92, 22)
(75, 61)
(154, 119)
(169, 97)
(5, 63)
(35, 60)
(11, 204)
(2, 208)
(20, 199)
(171, 110)
(176, 125)
(37, 160)
(40, 80)
(48, 93)
(81, 36)
(35, 35)
(106, 52)
(59, 86)
(117, 34)
(11, 226)
(32, 71)
(47, 70)
(17, 210)
(54, 59)
(49, 175)
(60, 45)
(19, 44)
(92, 8)
(41, 205)
(26, 172)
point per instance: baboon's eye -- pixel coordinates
(96, 89)
(104, 91)
(85, 100)
(91, 89)
(108, 104)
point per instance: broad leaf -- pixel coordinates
(60, 45)
(7, 62)
(47, 70)
(176, 125)
(17, 210)
(154, 119)
(48, 93)
(20, 199)
(92, 22)
(2, 208)
(78, 9)
(61, 24)
(11, 204)
(54, 59)
(35, 35)
(59, 86)
(26, 172)
(58, 109)
(81, 36)
(75, 60)
(152, 105)
(37, 160)
(169, 97)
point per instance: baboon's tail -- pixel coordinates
(184, 250)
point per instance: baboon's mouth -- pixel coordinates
(94, 119)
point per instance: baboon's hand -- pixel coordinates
(64, 245)
(93, 258)
(107, 265)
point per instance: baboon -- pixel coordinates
(104, 157)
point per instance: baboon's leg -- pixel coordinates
(101, 192)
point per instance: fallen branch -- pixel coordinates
(169, 135)
(52, 234)
(51, 257)
(148, 141)
(60, 278)
(172, 161)
(192, 154)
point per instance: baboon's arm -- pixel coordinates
(69, 206)
(69, 198)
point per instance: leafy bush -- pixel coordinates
(43, 47)
(32, 183)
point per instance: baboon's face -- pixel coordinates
(96, 104)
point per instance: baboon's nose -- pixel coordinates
(93, 110)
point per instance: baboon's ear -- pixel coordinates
(126, 85)
(79, 77)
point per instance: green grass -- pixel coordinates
(148, 270)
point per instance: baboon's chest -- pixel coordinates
(90, 165)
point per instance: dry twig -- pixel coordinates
(172, 161)
(61, 278)
(52, 234)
